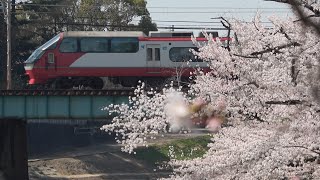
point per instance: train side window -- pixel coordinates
(69, 45)
(94, 44)
(53, 46)
(157, 54)
(182, 54)
(149, 54)
(124, 45)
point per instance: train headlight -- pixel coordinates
(28, 66)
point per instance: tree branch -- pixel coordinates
(296, 5)
(277, 49)
(281, 30)
(288, 102)
(302, 147)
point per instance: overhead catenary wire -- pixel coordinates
(176, 25)
(19, 11)
(222, 11)
(191, 10)
(209, 22)
(121, 26)
(155, 7)
(201, 23)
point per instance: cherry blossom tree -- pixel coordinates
(268, 82)
(269, 79)
(145, 116)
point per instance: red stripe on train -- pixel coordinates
(41, 75)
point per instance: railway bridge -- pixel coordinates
(40, 121)
(48, 105)
(60, 117)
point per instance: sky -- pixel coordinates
(163, 12)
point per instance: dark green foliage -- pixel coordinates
(153, 155)
(146, 24)
(183, 149)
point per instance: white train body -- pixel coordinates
(75, 58)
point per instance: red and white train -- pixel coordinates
(97, 59)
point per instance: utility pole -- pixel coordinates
(3, 54)
(8, 15)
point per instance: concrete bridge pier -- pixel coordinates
(13, 149)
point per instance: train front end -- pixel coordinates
(37, 64)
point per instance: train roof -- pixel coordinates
(104, 34)
(153, 35)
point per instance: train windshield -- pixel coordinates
(51, 44)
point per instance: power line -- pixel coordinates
(197, 23)
(172, 12)
(228, 9)
(119, 26)
(209, 22)
(150, 7)
(216, 12)
(224, 7)
(190, 25)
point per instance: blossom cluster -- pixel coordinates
(267, 78)
(268, 83)
(148, 114)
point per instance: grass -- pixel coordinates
(183, 149)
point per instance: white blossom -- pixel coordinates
(267, 82)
